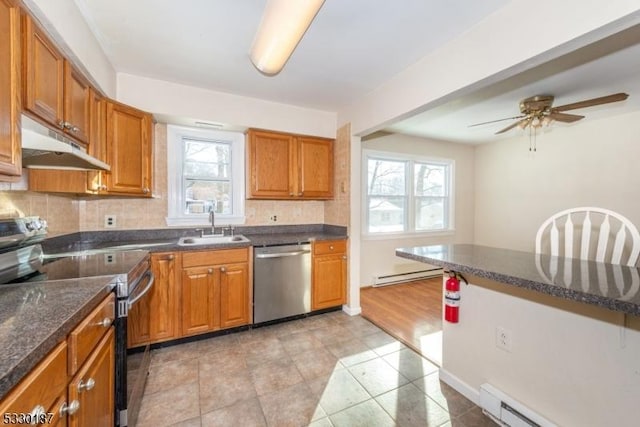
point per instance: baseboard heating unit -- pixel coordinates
(507, 411)
(405, 276)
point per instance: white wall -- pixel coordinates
(498, 47)
(568, 360)
(173, 99)
(378, 256)
(590, 163)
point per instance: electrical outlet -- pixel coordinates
(273, 218)
(109, 221)
(109, 259)
(503, 339)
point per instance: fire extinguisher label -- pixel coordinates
(453, 302)
(452, 295)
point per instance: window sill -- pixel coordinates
(409, 235)
(204, 221)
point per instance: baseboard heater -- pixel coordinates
(507, 411)
(407, 276)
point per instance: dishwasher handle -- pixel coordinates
(283, 254)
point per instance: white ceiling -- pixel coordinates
(605, 67)
(351, 48)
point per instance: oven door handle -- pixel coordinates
(152, 279)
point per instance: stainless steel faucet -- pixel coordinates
(212, 220)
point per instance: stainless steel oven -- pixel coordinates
(131, 369)
(23, 260)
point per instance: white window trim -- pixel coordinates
(411, 233)
(174, 176)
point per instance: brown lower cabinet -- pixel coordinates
(155, 318)
(93, 387)
(329, 274)
(56, 394)
(215, 290)
(195, 292)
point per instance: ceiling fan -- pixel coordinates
(538, 111)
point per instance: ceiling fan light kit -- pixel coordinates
(283, 24)
(540, 107)
(538, 111)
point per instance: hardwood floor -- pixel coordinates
(411, 312)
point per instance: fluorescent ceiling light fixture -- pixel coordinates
(283, 24)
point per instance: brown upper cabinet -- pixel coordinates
(120, 136)
(10, 145)
(129, 150)
(287, 166)
(54, 91)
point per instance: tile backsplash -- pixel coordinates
(68, 214)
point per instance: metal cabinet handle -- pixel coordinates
(145, 190)
(74, 129)
(331, 247)
(105, 323)
(344, 257)
(70, 409)
(291, 194)
(36, 413)
(210, 271)
(86, 386)
(223, 269)
(103, 187)
(61, 124)
(171, 257)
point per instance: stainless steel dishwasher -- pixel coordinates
(281, 282)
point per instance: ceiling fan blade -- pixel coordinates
(496, 121)
(564, 117)
(511, 126)
(591, 102)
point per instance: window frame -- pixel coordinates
(175, 175)
(409, 216)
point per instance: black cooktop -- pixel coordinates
(43, 268)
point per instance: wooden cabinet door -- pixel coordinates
(44, 75)
(93, 387)
(128, 150)
(234, 295)
(10, 142)
(315, 157)
(164, 297)
(77, 104)
(199, 294)
(271, 155)
(329, 281)
(96, 181)
(44, 387)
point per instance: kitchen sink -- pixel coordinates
(211, 240)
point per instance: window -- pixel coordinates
(407, 194)
(206, 173)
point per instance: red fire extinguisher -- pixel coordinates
(452, 298)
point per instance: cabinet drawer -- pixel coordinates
(221, 256)
(327, 247)
(84, 338)
(42, 387)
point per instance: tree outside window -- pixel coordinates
(407, 195)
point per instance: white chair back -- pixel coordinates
(590, 233)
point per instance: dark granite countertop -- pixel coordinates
(163, 240)
(614, 287)
(35, 317)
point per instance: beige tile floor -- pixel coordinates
(326, 370)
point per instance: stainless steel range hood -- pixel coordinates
(43, 148)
